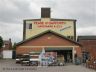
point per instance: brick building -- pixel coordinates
(7, 44)
(54, 35)
(88, 45)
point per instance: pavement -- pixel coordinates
(10, 66)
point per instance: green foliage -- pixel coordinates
(1, 42)
(14, 46)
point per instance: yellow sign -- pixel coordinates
(65, 28)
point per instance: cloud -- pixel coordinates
(86, 31)
(12, 13)
(84, 11)
(13, 31)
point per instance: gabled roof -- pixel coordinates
(45, 32)
(86, 38)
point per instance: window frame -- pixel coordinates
(30, 26)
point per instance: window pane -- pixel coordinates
(30, 26)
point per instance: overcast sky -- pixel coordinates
(12, 13)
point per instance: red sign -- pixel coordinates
(50, 24)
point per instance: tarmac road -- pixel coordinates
(10, 66)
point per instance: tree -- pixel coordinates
(1, 42)
(14, 46)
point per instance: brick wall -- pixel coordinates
(26, 50)
(44, 40)
(48, 40)
(78, 51)
(89, 46)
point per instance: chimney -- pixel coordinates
(45, 12)
(10, 40)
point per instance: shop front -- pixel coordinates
(66, 52)
(51, 42)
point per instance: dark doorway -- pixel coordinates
(14, 55)
(67, 55)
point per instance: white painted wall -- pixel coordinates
(7, 54)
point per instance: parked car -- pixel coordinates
(34, 58)
(34, 62)
(18, 59)
(25, 59)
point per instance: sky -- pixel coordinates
(13, 12)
